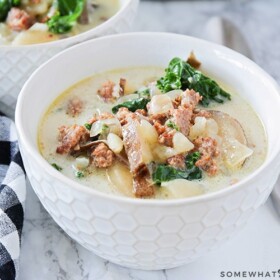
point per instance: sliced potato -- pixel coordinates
(121, 179)
(160, 104)
(38, 33)
(115, 143)
(234, 142)
(174, 93)
(147, 155)
(162, 153)
(235, 153)
(148, 131)
(199, 127)
(229, 126)
(181, 143)
(113, 124)
(180, 188)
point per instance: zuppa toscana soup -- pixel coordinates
(148, 133)
(25, 22)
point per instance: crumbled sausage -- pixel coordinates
(166, 138)
(207, 146)
(71, 137)
(103, 116)
(102, 156)
(190, 98)
(177, 102)
(161, 118)
(124, 114)
(141, 112)
(177, 161)
(165, 134)
(106, 91)
(159, 128)
(74, 106)
(18, 19)
(201, 113)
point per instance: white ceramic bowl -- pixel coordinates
(147, 234)
(18, 62)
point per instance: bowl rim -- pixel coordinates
(86, 35)
(138, 201)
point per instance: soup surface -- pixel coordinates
(173, 148)
(32, 22)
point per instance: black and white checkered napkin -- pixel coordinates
(12, 198)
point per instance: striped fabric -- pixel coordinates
(12, 197)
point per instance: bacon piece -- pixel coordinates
(106, 91)
(74, 106)
(71, 137)
(177, 161)
(102, 156)
(207, 146)
(18, 19)
(142, 186)
(134, 151)
(182, 118)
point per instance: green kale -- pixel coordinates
(66, 16)
(5, 6)
(164, 173)
(143, 92)
(16, 3)
(181, 75)
(87, 126)
(56, 166)
(132, 105)
(171, 124)
(79, 174)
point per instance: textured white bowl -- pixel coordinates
(18, 62)
(147, 234)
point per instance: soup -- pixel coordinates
(31, 22)
(146, 133)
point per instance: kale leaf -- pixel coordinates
(164, 173)
(143, 92)
(56, 166)
(66, 16)
(181, 75)
(132, 105)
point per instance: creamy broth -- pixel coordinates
(98, 12)
(117, 179)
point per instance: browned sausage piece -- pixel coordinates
(102, 156)
(18, 19)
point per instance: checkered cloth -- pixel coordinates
(12, 197)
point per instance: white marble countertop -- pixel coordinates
(47, 253)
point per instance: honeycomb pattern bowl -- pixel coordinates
(147, 234)
(18, 62)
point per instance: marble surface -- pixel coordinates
(48, 253)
